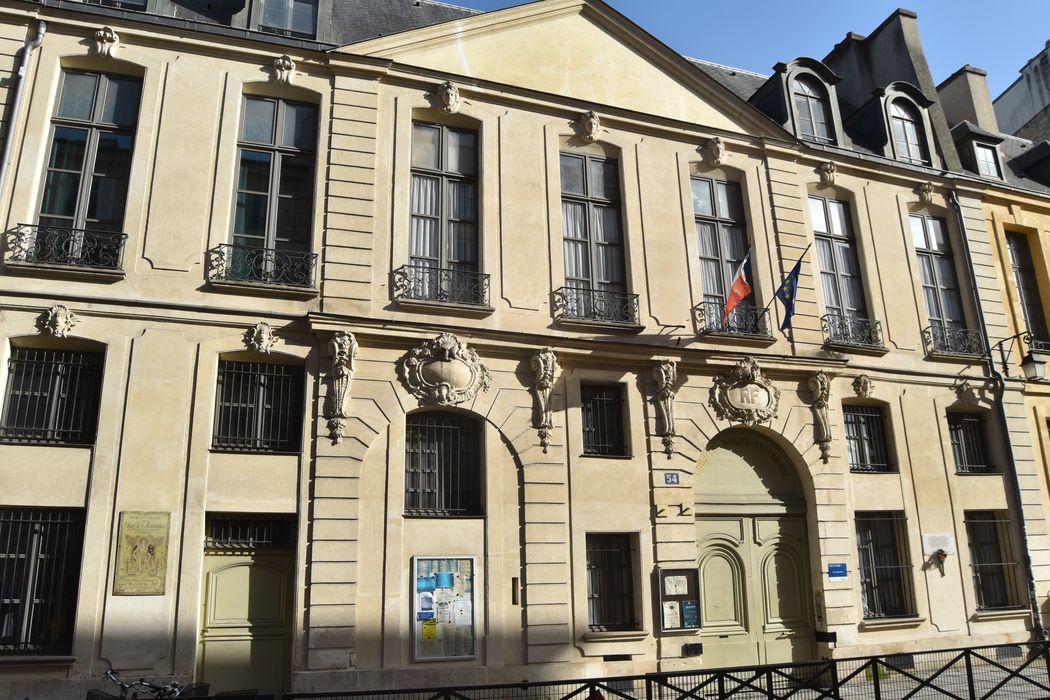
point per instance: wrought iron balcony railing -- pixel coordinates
(595, 305)
(72, 247)
(421, 283)
(848, 330)
(743, 320)
(952, 341)
(262, 266)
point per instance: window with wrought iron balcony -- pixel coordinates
(273, 206)
(744, 321)
(851, 331)
(79, 227)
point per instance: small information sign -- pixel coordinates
(837, 572)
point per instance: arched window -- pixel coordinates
(811, 107)
(908, 139)
(442, 465)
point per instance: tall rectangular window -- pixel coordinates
(443, 241)
(52, 396)
(994, 572)
(610, 582)
(595, 276)
(602, 410)
(89, 156)
(259, 407)
(885, 568)
(721, 230)
(442, 465)
(940, 286)
(866, 439)
(297, 18)
(1028, 289)
(969, 443)
(40, 551)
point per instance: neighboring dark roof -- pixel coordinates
(358, 20)
(742, 82)
(1025, 163)
(966, 129)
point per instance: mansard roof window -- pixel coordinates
(812, 111)
(909, 140)
(295, 18)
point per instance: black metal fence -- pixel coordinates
(743, 320)
(450, 286)
(1015, 671)
(75, 247)
(265, 266)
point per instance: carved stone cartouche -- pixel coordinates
(444, 371)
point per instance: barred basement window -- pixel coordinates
(442, 465)
(969, 444)
(52, 396)
(39, 574)
(994, 576)
(885, 570)
(610, 582)
(866, 439)
(259, 407)
(602, 410)
(249, 531)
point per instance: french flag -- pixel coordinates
(740, 288)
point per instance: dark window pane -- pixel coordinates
(304, 16)
(78, 96)
(254, 175)
(604, 180)
(462, 152)
(295, 205)
(121, 105)
(300, 126)
(259, 117)
(109, 186)
(572, 175)
(426, 146)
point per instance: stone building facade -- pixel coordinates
(400, 358)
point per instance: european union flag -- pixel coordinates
(786, 293)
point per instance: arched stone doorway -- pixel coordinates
(756, 597)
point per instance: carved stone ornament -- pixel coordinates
(863, 387)
(665, 374)
(589, 126)
(343, 350)
(820, 385)
(966, 393)
(743, 394)
(106, 41)
(713, 150)
(827, 171)
(925, 191)
(444, 371)
(283, 67)
(545, 365)
(260, 338)
(448, 98)
(57, 321)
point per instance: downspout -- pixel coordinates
(1000, 390)
(16, 102)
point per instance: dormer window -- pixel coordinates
(811, 109)
(987, 160)
(907, 128)
(295, 18)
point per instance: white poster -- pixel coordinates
(443, 608)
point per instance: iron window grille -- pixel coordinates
(259, 407)
(89, 156)
(52, 396)
(969, 443)
(610, 582)
(273, 202)
(721, 229)
(909, 139)
(592, 239)
(866, 439)
(442, 465)
(602, 411)
(249, 531)
(40, 552)
(743, 320)
(811, 109)
(885, 569)
(994, 577)
(1028, 289)
(443, 240)
(940, 285)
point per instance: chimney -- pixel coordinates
(964, 96)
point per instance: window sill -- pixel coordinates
(1017, 613)
(42, 660)
(968, 358)
(616, 636)
(263, 290)
(438, 516)
(741, 338)
(891, 623)
(875, 350)
(67, 272)
(451, 307)
(990, 472)
(622, 458)
(891, 470)
(603, 325)
(25, 442)
(248, 451)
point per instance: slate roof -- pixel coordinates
(742, 82)
(358, 20)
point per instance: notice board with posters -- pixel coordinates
(443, 605)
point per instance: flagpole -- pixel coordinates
(773, 298)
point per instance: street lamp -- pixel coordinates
(1032, 364)
(1034, 367)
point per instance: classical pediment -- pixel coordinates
(578, 49)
